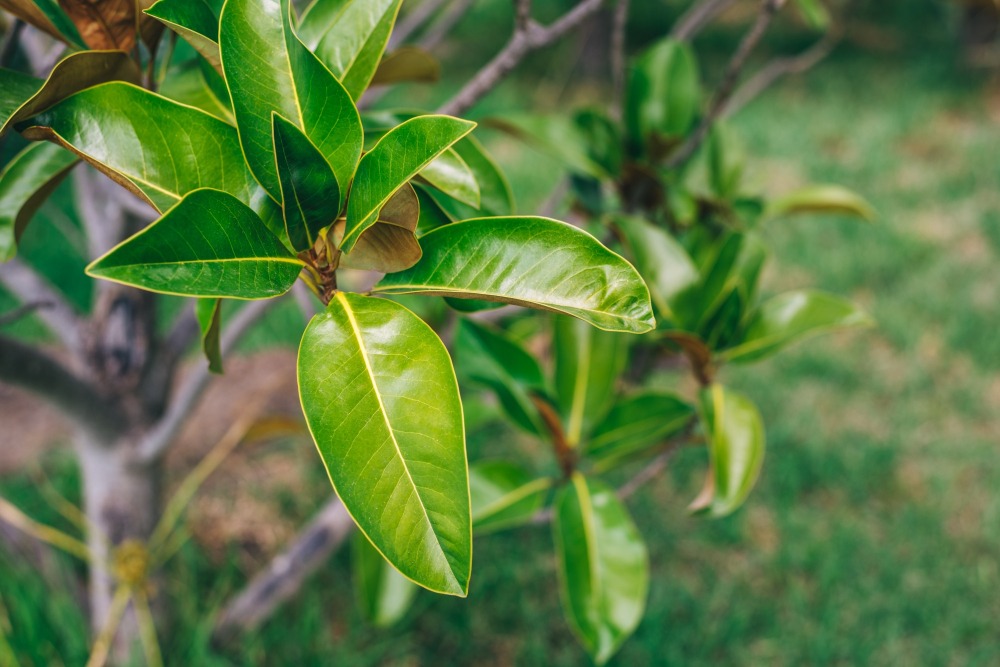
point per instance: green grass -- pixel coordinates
(874, 534)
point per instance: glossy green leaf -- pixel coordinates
(309, 190)
(391, 244)
(395, 159)
(791, 317)
(532, 262)
(663, 93)
(270, 71)
(735, 435)
(208, 245)
(603, 566)
(384, 595)
(380, 397)
(432, 214)
(197, 21)
(45, 15)
(209, 315)
(187, 83)
(504, 495)
(25, 183)
(449, 174)
(821, 199)
(349, 36)
(588, 362)
(22, 96)
(407, 64)
(637, 423)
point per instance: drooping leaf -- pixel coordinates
(46, 15)
(663, 93)
(309, 190)
(791, 317)
(209, 315)
(22, 96)
(25, 183)
(349, 36)
(638, 423)
(407, 64)
(504, 495)
(735, 434)
(588, 362)
(197, 21)
(268, 71)
(449, 174)
(384, 595)
(380, 397)
(395, 159)
(532, 262)
(821, 199)
(390, 244)
(208, 245)
(603, 566)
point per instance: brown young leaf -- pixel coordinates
(104, 24)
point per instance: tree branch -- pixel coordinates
(768, 10)
(699, 15)
(29, 287)
(413, 20)
(440, 29)
(527, 37)
(619, 64)
(22, 311)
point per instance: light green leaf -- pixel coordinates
(735, 434)
(349, 36)
(664, 93)
(449, 174)
(587, 365)
(405, 65)
(209, 315)
(384, 595)
(208, 245)
(791, 317)
(603, 566)
(557, 136)
(821, 199)
(815, 13)
(391, 244)
(197, 21)
(188, 84)
(380, 397)
(395, 159)
(504, 495)
(531, 262)
(638, 423)
(268, 71)
(25, 183)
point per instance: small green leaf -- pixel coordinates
(381, 401)
(449, 174)
(531, 262)
(25, 183)
(791, 317)
(815, 13)
(821, 199)
(197, 21)
(504, 495)
(395, 159)
(209, 245)
(638, 423)
(384, 595)
(603, 566)
(209, 315)
(407, 64)
(735, 434)
(663, 93)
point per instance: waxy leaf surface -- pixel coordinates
(638, 423)
(197, 21)
(504, 495)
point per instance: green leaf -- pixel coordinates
(815, 13)
(557, 136)
(25, 183)
(735, 434)
(270, 71)
(587, 365)
(449, 174)
(821, 199)
(664, 93)
(638, 423)
(209, 315)
(395, 159)
(384, 595)
(188, 84)
(391, 244)
(405, 65)
(308, 186)
(45, 15)
(22, 96)
(197, 21)
(791, 317)
(349, 36)
(208, 245)
(532, 262)
(603, 566)
(504, 495)
(380, 397)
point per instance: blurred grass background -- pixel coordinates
(874, 535)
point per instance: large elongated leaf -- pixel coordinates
(209, 245)
(736, 450)
(504, 495)
(384, 595)
(603, 566)
(663, 93)
(449, 174)
(25, 184)
(588, 362)
(395, 159)
(638, 423)
(791, 317)
(532, 262)
(380, 397)
(22, 96)
(270, 71)
(349, 36)
(197, 21)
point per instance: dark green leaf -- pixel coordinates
(638, 423)
(821, 199)
(663, 93)
(197, 21)
(384, 595)
(504, 495)
(209, 314)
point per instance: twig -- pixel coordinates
(440, 29)
(525, 39)
(619, 64)
(699, 15)
(768, 10)
(29, 287)
(412, 21)
(23, 311)
(10, 40)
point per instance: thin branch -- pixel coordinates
(29, 287)
(412, 21)
(23, 311)
(525, 39)
(285, 575)
(699, 15)
(768, 10)
(522, 14)
(443, 26)
(162, 435)
(619, 65)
